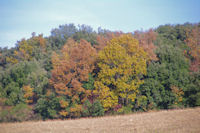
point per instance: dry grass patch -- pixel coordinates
(173, 121)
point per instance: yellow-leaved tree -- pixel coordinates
(121, 64)
(27, 49)
(28, 94)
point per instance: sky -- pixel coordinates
(19, 18)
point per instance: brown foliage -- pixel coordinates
(193, 42)
(146, 40)
(103, 40)
(70, 69)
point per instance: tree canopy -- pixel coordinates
(80, 72)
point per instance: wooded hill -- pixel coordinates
(79, 72)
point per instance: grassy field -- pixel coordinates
(171, 121)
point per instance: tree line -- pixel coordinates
(78, 72)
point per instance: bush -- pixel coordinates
(21, 112)
(47, 107)
(92, 109)
(141, 103)
(125, 109)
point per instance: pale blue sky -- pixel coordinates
(19, 18)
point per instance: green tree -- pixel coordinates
(48, 106)
(92, 108)
(171, 70)
(192, 94)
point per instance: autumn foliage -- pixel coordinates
(28, 94)
(122, 63)
(193, 42)
(78, 72)
(146, 40)
(26, 48)
(103, 39)
(70, 69)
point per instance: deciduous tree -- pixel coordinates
(70, 69)
(146, 40)
(122, 63)
(193, 41)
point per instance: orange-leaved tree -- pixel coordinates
(70, 69)
(103, 39)
(122, 63)
(193, 42)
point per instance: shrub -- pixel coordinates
(21, 112)
(92, 109)
(125, 109)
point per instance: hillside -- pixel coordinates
(79, 72)
(179, 121)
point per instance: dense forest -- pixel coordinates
(79, 72)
